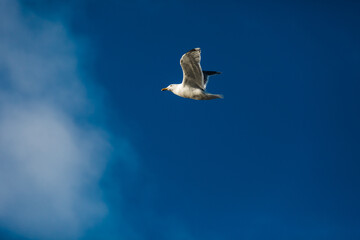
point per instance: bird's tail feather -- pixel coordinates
(212, 96)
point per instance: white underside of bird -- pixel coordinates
(192, 92)
(195, 80)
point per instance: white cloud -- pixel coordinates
(51, 157)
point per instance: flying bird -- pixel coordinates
(194, 79)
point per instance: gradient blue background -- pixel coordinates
(277, 158)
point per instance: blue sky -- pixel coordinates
(92, 149)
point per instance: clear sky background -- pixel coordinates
(90, 148)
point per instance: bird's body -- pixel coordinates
(186, 91)
(195, 80)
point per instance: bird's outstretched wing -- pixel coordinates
(190, 64)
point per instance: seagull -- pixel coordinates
(194, 79)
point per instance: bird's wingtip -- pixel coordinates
(195, 49)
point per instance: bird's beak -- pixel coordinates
(164, 89)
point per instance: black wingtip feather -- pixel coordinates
(209, 73)
(194, 49)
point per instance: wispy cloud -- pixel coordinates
(51, 156)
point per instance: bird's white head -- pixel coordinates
(169, 88)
